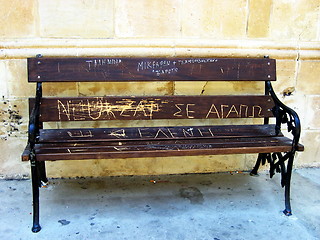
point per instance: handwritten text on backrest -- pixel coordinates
(155, 107)
(150, 69)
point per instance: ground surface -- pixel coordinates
(196, 206)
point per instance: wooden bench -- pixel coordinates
(104, 143)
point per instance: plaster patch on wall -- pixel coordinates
(288, 91)
(11, 120)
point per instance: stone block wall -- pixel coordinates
(287, 30)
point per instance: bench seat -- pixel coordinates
(93, 143)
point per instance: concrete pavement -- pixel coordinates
(196, 206)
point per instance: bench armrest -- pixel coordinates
(34, 122)
(283, 115)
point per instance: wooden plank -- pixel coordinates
(150, 69)
(154, 133)
(137, 154)
(154, 143)
(25, 156)
(155, 107)
(176, 148)
(108, 144)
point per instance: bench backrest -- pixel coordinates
(152, 69)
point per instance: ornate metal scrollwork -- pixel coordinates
(276, 162)
(285, 115)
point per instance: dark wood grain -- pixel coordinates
(163, 148)
(154, 133)
(155, 107)
(138, 142)
(150, 69)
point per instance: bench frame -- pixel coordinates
(282, 113)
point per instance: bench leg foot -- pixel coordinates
(254, 171)
(35, 193)
(287, 213)
(287, 182)
(36, 228)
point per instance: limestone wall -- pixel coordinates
(288, 30)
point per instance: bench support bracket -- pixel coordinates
(277, 164)
(284, 115)
(38, 172)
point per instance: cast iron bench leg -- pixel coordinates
(254, 171)
(35, 192)
(285, 181)
(287, 210)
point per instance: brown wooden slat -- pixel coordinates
(154, 143)
(26, 154)
(150, 69)
(176, 148)
(154, 107)
(108, 144)
(156, 133)
(137, 154)
(300, 147)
